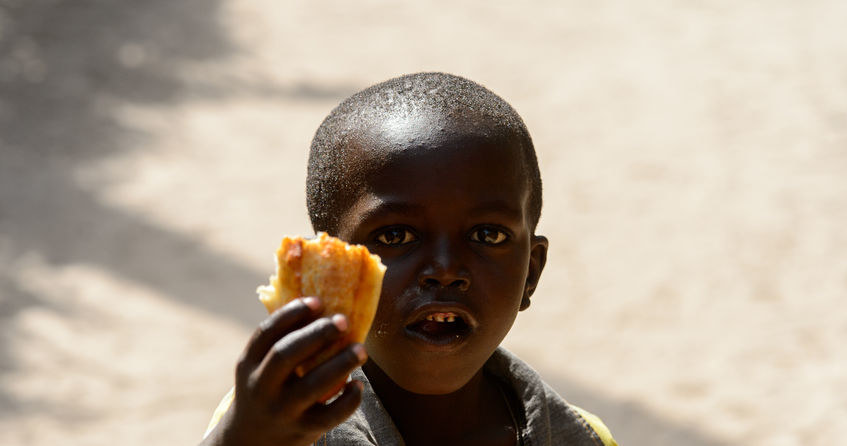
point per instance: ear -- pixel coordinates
(537, 260)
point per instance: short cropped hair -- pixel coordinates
(332, 182)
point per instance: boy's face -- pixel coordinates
(448, 215)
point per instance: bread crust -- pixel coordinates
(347, 278)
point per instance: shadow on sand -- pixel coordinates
(63, 66)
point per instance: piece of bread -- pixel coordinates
(346, 278)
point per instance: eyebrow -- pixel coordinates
(498, 206)
(385, 208)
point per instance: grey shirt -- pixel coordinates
(543, 419)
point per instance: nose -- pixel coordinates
(445, 268)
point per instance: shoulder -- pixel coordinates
(587, 420)
(548, 417)
(597, 426)
(369, 425)
(223, 406)
(353, 431)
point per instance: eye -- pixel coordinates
(395, 237)
(489, 236)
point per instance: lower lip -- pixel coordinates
(438, 343)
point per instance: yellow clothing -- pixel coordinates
(597, 425)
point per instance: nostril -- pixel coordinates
(461, 284)
(447, 277)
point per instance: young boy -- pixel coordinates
(438, 176)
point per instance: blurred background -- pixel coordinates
(694, 153)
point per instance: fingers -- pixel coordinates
(324, 378)
(320, 416)
(291, 316)
(295, 348)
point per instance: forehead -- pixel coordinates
(471, 164)
(439, 164)
(424, 138)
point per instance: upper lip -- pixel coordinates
(420, 312)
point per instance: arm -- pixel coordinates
(272, 406)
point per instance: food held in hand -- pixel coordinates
(347, 279)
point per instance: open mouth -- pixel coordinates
(440, 328)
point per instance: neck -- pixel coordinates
(423, 419)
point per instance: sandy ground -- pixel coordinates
(695, 164)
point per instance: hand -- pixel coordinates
(275, 407)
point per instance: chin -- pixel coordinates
(426, 380)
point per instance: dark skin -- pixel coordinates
(448, 213)
(273, 406)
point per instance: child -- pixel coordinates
(438, 176)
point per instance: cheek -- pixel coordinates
(502, 288)
(395, 288)
(506, 272)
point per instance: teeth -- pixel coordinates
(441, 317)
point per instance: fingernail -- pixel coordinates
(360, 352)
(340, 322)
(312, 302)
